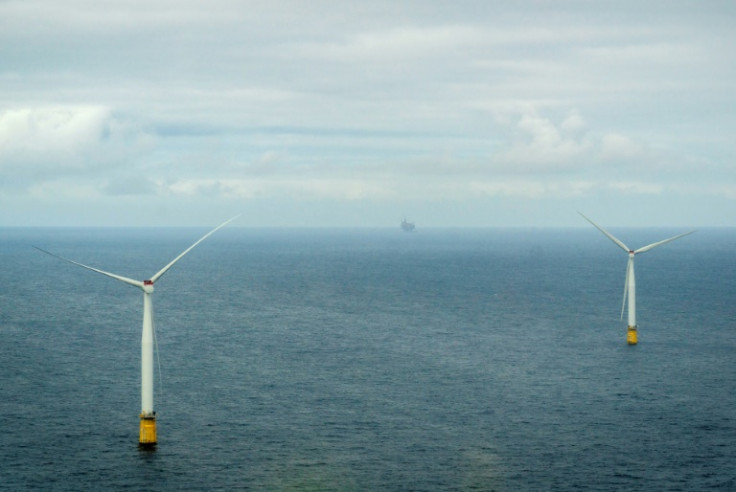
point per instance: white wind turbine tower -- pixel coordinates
(630, 283)
(147, 434)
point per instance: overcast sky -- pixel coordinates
(333, 113)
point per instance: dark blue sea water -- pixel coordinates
(439, 360)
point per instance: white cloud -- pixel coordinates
(534, 189)
(41, 134)
(540, 145)
(48, 142)
(131, 186)
(617, 147)
(637, 187)
(573, 124)
(395, 44)
(309, 188)
(51, 191)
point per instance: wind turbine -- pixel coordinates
(630, 282)
(147, 434)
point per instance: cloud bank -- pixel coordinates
(295, 111)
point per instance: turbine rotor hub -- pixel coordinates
(147, 286)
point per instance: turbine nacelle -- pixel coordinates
(147, 286)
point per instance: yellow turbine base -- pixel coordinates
(631, 337)
(147, 436)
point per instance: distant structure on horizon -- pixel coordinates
(407, 226)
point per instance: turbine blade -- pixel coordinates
(626, 286)
(130, 281)
(660, 243)
(608, 234)
(161, 272)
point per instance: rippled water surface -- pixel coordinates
(370, 360)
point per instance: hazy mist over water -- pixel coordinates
(370, 359)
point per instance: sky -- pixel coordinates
(358, 114)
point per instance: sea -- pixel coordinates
(369, 360)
